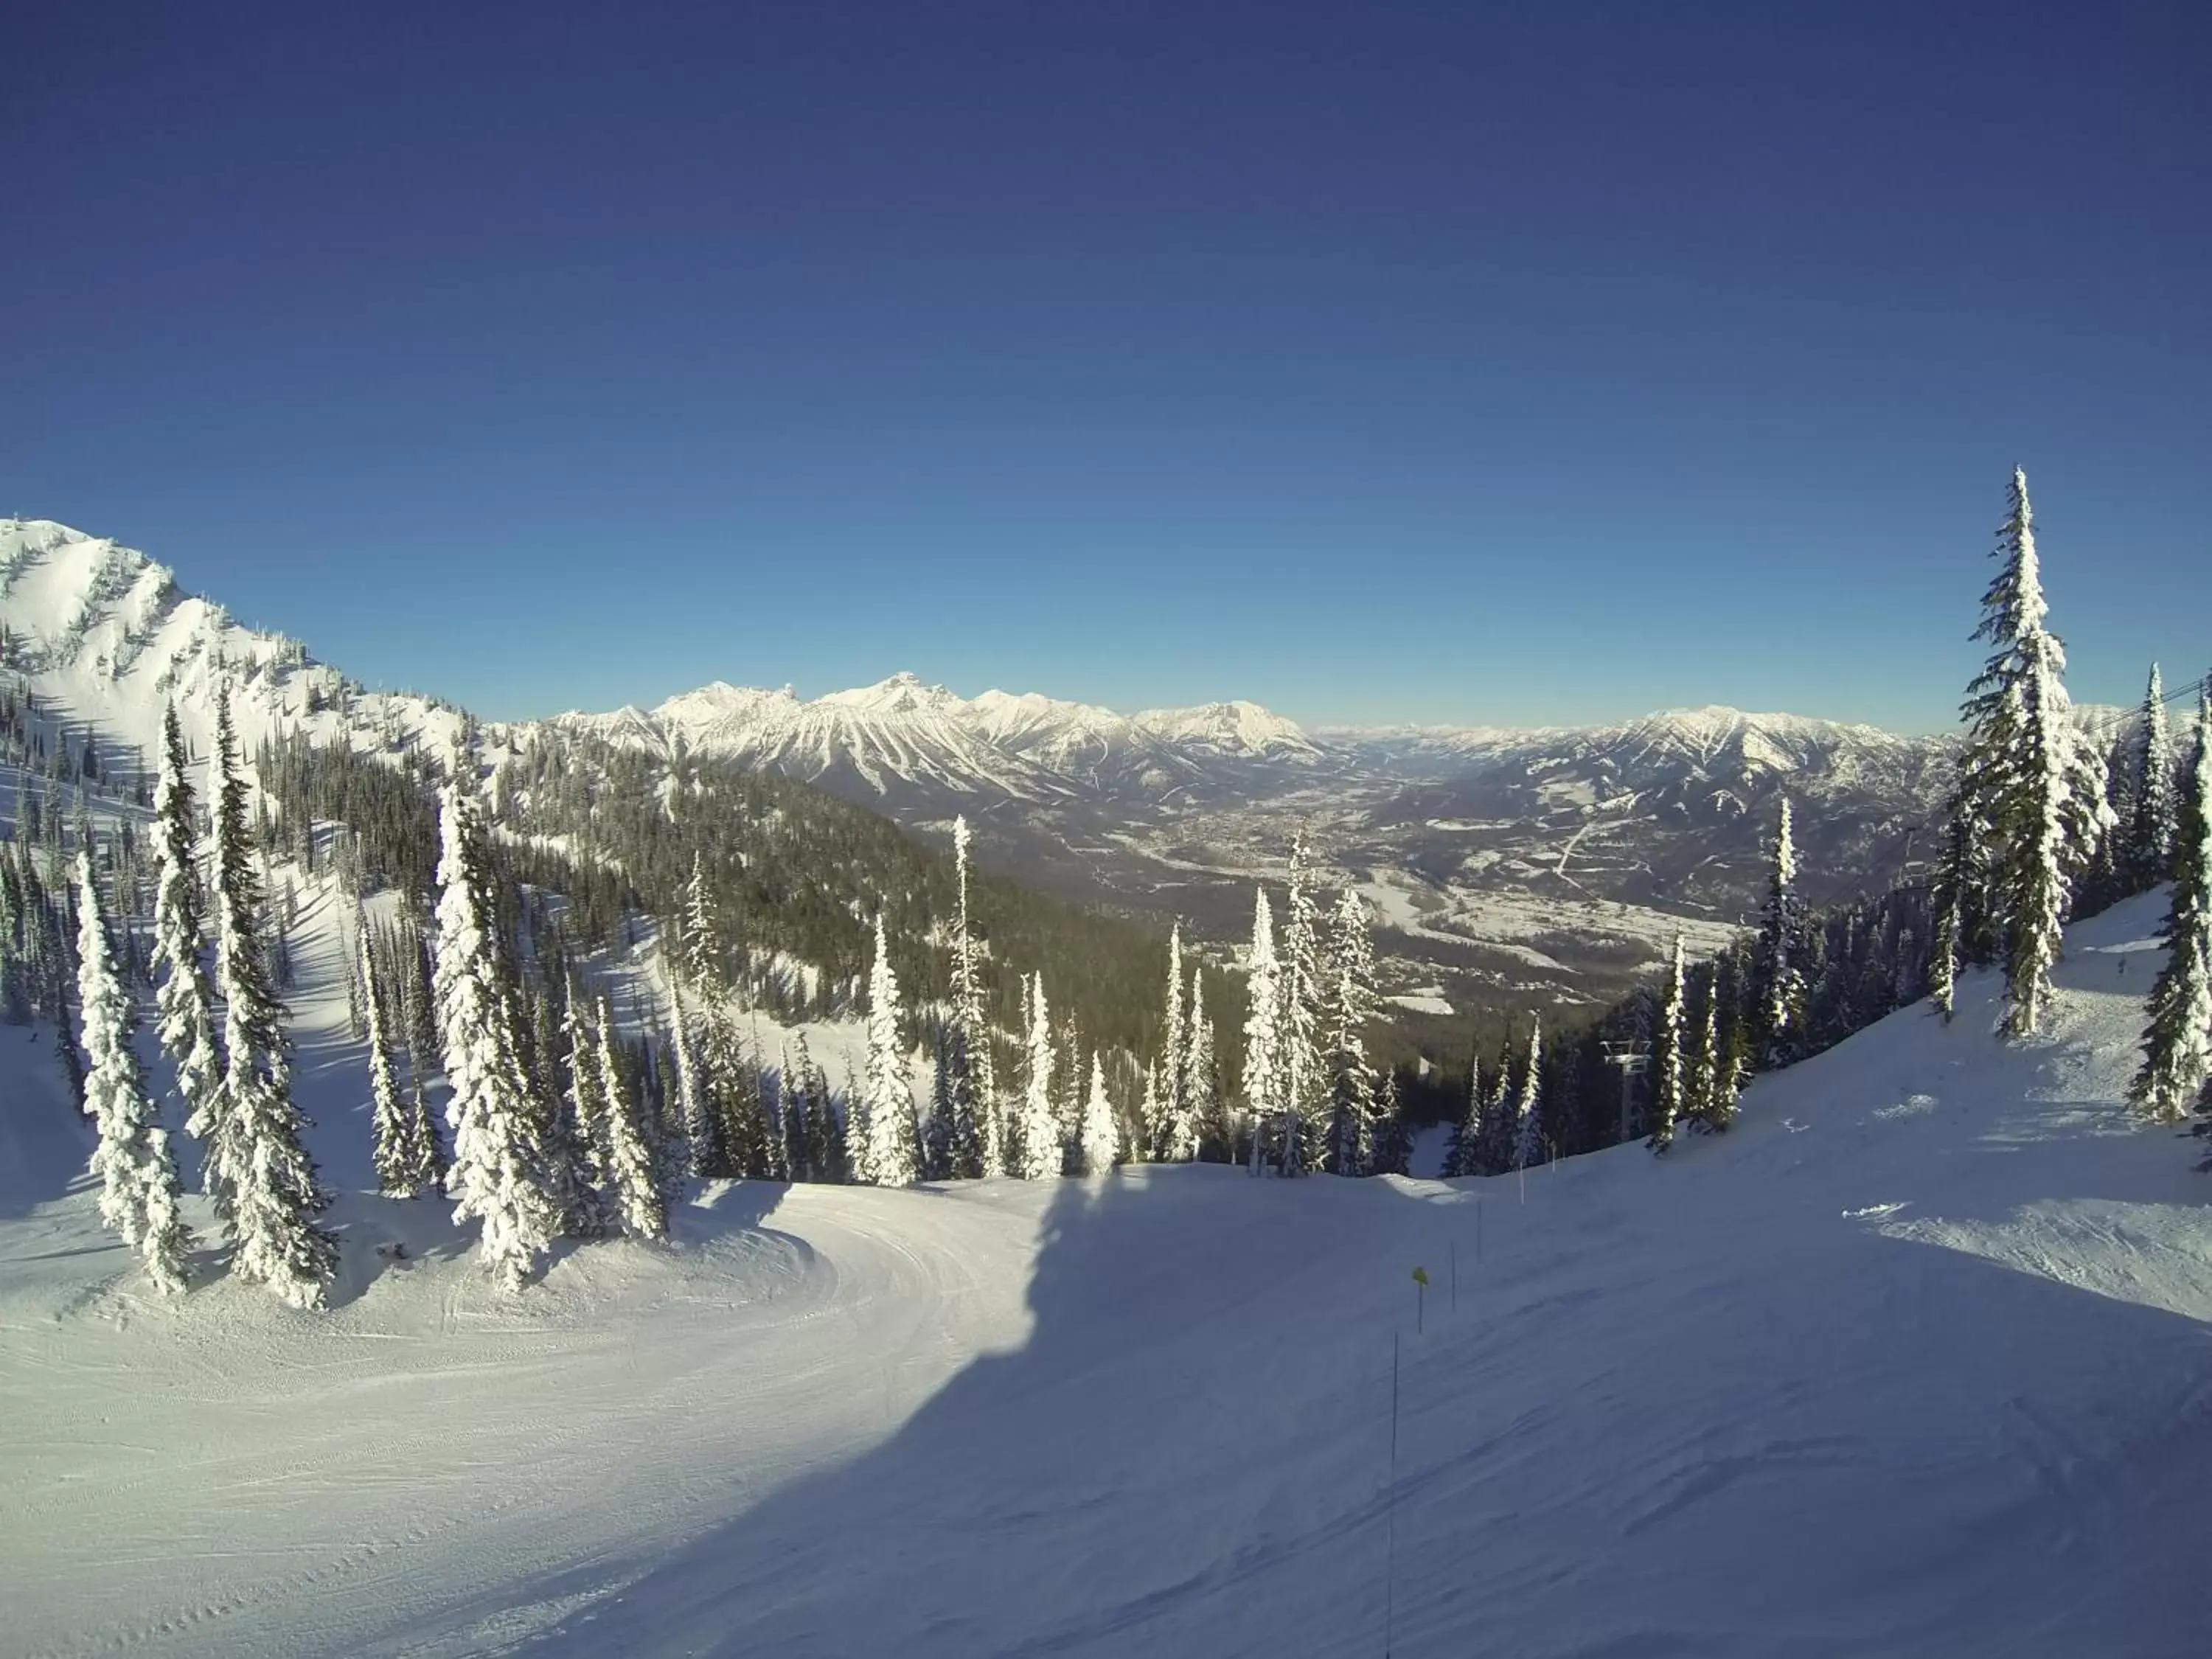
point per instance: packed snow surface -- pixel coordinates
(1915, 1361)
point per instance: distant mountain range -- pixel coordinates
(1507, 866)
(904, 741)
(1537, 864)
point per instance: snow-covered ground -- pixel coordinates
(1916, 1362)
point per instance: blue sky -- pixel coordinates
(1439, 362)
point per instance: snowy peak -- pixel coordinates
(904, 736)
(1229, 728)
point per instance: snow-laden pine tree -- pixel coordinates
(1096, 1142)
(502, 1173)
(1958, 897)
(1529, 1106)
(791, 1106)
(883, 1128)
(275, 1192)
(974, 1146)
(1464, 1154)
(937, 1128)
(1781, 979)
(1305, 1066)
(1500, 1118)
(637, 1202)
(2151, 838)
(1209, 1109)
(1393, 1137)
(700, 1126)
(1265, 1083)
(2046, 800)
(2177, 1043)
(138, 1176)
(592, 1195)
(1151, 1132)
(1349, 1009)
(1177, 1138)
(184, 1003)
(1719, 1069)
(1042, 1156)
(1672, 1060)
(405, 1163)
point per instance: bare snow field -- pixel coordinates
(1915, 1361)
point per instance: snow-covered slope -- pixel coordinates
(106, 638)
(1916, 1362)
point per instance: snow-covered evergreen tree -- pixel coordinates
(2177, 1042)
(1209, 1111)
(882, 1127)
(1176, 1139)
(1264, 1082)
(592, 1196)
(638, 1203)
(184, 1003)
(2046, 807)
(700, 1125)
(1393, 1137)
(1720, 1054)
(1464, 1154)
(1958, 885)
(502, 1172)
(1151, 1133)
(1349, 1009)
(2151, 841)
(1667, 1097)
(138, 1176)
(791, 1107)
(1043, 1154)
(405, 1164)
(974, 1146)
(1305, 1066)
(1528, 1145)
(1781, 979)
(1500, 1118)
(275, 1192)
(1096, 1142)
(937, 1128)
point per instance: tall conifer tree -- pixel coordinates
(2177, 1043)
(184, 1003)
(502, 1173)
(138, 1176)
(2151, 840)
(1667, 1098)
(2046, 807)
(1265, 1092)
(275, 1192)
(882, 1129)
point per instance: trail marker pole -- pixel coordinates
(1421, 1297)
(1391, 1512)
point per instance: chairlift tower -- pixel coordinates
(1634, 1059)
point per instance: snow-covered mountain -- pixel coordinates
(910, 743)
(905, 741)
(108, 639)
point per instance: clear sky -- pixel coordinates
(1376, 361)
